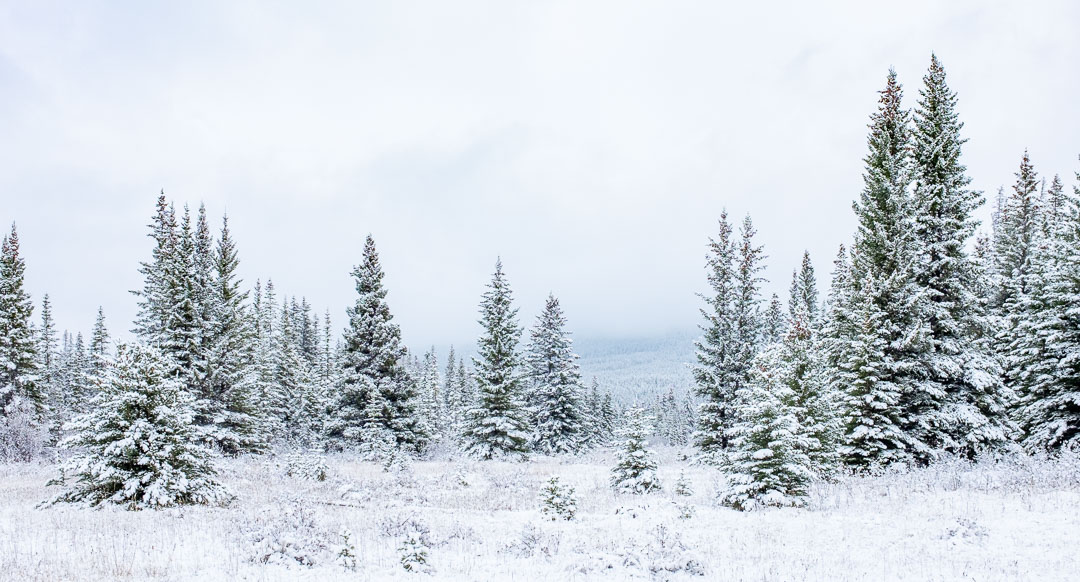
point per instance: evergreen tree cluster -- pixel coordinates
(925, 345)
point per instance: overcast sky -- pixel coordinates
(590, 144)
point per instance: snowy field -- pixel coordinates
(1012, 520)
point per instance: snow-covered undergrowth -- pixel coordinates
(1011, 520)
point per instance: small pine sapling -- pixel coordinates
(635, 471)
(414, 553)
(557, 501)
(682, 486)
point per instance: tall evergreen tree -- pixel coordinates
(717, 373)
(429, 386)
(19, 372)
(960, 405)
(374, 359)
(268, 392)
(1044, 354)
(155, 298)
(804, 294)
(1016, 234)
(559, 414)
(228, 408)
(47, 353)
(803, 371)
(774, 324)
(874, 363)
(497, 425)
(861, 375)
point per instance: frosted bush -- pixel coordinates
(398, 525)
(533, 541)
(685, 510)
(414, 553)
(557, 501)
(682, 486)
(22, 439)
(667, 554)
(307, 466)
(288, 536)
(346, 554)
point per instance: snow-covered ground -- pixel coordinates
(1013, 520)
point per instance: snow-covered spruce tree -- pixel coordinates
(47, 351)
(429, 383)
(71, 390)
(155, 297)
(99, 343)
(768, 464)
(1055, 207)
(295, 387)
(872, 419)
(136, 446)
(716, 374)
(882, 272)
(803, 292)
(596, 434)
(1017, 232)
(19, 373)
(1023, 255)
(229, 408)
(635, 467)
(1045, 350)
(774, 325)
(328, 365)
(451, 399)
(183, 341)
(497, 426)
(787, 421)
(557, 501)
(558, 412)
(960, 405)
(461, 398)
(804, 372)
(731, 334)
(268, 393)
(172, 310)
(374, 359)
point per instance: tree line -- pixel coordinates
(263, 370)
(925, 344)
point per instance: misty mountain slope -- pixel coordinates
(638, 368)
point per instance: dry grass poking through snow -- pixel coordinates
(1013, 520)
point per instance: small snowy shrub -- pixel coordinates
(347, 549)
(414, 553)
(685, 510)
(667, 554)
(635, 471)
(461, 478)
(288, 536)
(22, 438)
(137, 446)
(307, 466)
(682, 486)
(557, 501)
(533, 541)
(394, 526)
